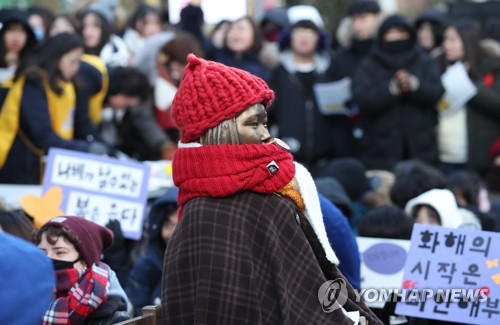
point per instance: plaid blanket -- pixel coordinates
(78, 294)
(248, 258)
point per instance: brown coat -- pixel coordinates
(246, 259)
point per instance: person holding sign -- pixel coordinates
(250, 246)
(466, 134)
(39, 111)
(397, 88)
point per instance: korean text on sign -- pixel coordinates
(100, 188)
(462, 266)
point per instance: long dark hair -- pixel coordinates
(46, 58)
(140, 14)
(257, 35)
(470, 33)
(106, 31)
(28, 47)
(17, 223)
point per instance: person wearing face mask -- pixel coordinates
(397, 88)
(250, 245)
(86, 289)
(40, 18)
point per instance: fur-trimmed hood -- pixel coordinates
(322, 61)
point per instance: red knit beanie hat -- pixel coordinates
(93, 239)
(211, 92)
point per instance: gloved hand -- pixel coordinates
(115, 227)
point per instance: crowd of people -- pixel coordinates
(389, 156)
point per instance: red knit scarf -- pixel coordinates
(222, 170)
(78, 294)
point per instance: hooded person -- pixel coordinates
(439, 207)
(17, 41)
(430, 28)
(251, 223)
(397, 88)
(316, 133)
(87, 290)
(274, 22)
(144, 282)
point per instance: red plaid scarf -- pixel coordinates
(222, 170)
(78, 294)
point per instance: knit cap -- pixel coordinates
(92, 238)
(360, 7)
(104, 9)
(211, 92)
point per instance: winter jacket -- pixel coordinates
(347, 60)
(249, 62)
(397, 127)
(342, 240)
(483, 116)
(295, 113)
(35, 136)
(144, 283)
(450, 214)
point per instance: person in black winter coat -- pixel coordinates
(314, 137)
(144, 283)
(397, 88)
(365, 17)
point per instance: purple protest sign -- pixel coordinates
(99, 188)
(457, 274)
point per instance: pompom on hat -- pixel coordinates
(211, 93)
(93, 239)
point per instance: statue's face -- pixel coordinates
(251, 125)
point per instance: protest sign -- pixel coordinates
(382, 264)
(213, 10)
(460, 267)
(99, 188)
